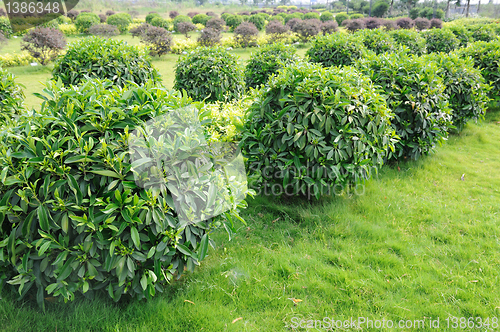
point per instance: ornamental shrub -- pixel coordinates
(482, 32)
(326, 16)
(11, 97)
(104, 30)
(73, 14)
(307, 29)
(414, 13)
(150, 16)
(77, 218)
(110, 12)
(103, 18)
(258, 20)
(341, 17)
(313, 128)
(356, 16)
(160, 22)
(179, 19)
(355, 25)
(216, 24)
(422, 23)
(389, 25)
(211, 74)
(267, 61)
(158, 40)
(426, 12)
(440, 40)
(311, 16)
(278, 19)
(465, 86)
(139, 30)
(485, 56)
(246, 34)
(377, 40)
(209, 37)
(185, 28)
(380, 8)
(173, 14)
(276, 30)
(95, 57)
(43, 44)
(411, 39)
(232, 21)
(120, 20)
(292, 16)
(436, 23)
(192, 14)
(336, 50)
(372, 23)
(463, 35)
(404, 23)
(416, 94)
(201, 19)
(85, 20)
(291, 24)
(329, 27)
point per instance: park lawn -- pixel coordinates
(413, 243)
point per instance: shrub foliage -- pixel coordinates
(336, 50)
(11, 97)
(44, 44)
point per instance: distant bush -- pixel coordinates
(232, 21)
(310, 16)
(465, 86)
(436, 23)
(104, 30)
(411, 39)
(258, 20)
(355, 25)
(356, 16)
(267, 61)
(160, 22)
(416, 94)
(307, 29)
(11, 96)
(173, 14)
(377, 41)
(389, 25)
(185, 28)
(158, 40)
(209, 37)
(139, 30)
(336, 50)
(404, 23)
(103, 18)
(426, 12)
(192, 14)
(72, 14)
(95, 57)
(201, 19)
(329, 27)
(373, 23)
(326, 16)
(463, 35)
(485, 56)
(211, 14)
(440, 40)
(85, 20)
(44, 44)
(480, 32)
(216, 23)
(151, 16)
(246, 34)
(276, 30)
(291, 24)
(110, 12)
(292, 16)
(341, 17)
(180, 18)
(209, 73)
(380, 8)
(422, 23)
(120, 20)
(297, 139)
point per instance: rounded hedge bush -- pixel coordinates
(326, 16)
(485, 56)
(232, 21)
(482, 32)
(85, 20)
(181, 18)
(411, 39)
(336, 50)
(377, 40)
(201, 19)
(440, 40)
(258, 20)
(341, 17)
(11, 96)
(150, 16)
(211, 74)
(463, 35)
(267, 61)
(465, 87)
(160, 22)
(120, 20)
(95, 57)
(311, 16)
(416, 94)
(356, 16)
(313, 128)
(75, 215)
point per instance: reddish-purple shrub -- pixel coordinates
(72, 14)
(329, 27)
(104, 30)
(389, 25)
(192, 14)
(103, 18)
(158, 39)
(209, 37)
(291, 23)
(216, 23)
(245, 34)
(405, 23)
(307, 29)
(185, 28)
(276, 30)
(355, 25)
(173, 14)
(421, 23)
(211, 14)
(139, 30)
(110, 12)
(436, 23)
(44, 44)
(372, 23)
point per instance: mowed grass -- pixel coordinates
(415, 242)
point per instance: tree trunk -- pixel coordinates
(447, 14)
(478, 6)
(390, 8)
(468, 6)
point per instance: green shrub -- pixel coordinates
(258, 21)
(426, 12)
(151, 16)
(380, 8)
(11, 96)
(209, 37)
(201, 19)
(104, 58)
(411, 39)
(341, 17)
(463, 35)
(292, 16)
(440, 40)
(336, 50)
(181, 18)
(76, 217)
(482, 32)
(233, 21)
(120, 20)
(377, 40)
(160, 22)
(267, 61)
(5, 27)
(85, 20)
(209, 73)
(310, 16)
(468, 94)
(326, 16)
(414, 13)
(356, 16)
(485, 56)
(416, 94)
(312, 128)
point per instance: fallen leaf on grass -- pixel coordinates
(295, 301)
(189, 301)
(237, 319)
